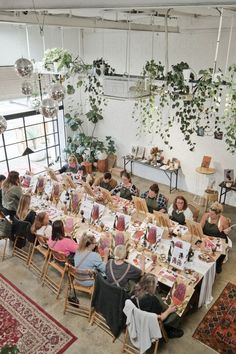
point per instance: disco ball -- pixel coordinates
(34, 102)
(27, 88)
(49, 108)
(57, 92)
(3, 124)
(24, 67)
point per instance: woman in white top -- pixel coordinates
(179, 211)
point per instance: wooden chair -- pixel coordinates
(195, 211)
(21, 229)
(210, 197)
(5, 233)
(103, 304)
(58, 262)
(130, 349)
(73, 287)
(137, 317)
(40, 246)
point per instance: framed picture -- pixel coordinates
(229, 175)
(218, 135)
(206, 161)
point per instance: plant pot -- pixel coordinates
(102, 165)
(111, 161)
(88, 166)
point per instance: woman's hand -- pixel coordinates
(171, 309)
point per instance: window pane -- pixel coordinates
(52, 140)
(34, 131)
(3, 168)
(38, 118)
(15, 150)
(2, 154)
(53, 154)
(20, 164)
(1, 140)
(14, 136)
(14, 123)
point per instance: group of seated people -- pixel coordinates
(141, 286)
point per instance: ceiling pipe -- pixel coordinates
(82, 22)
(107, 4)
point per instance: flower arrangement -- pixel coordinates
(154, 151)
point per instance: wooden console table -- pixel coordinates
(173, 182)
(224, 190)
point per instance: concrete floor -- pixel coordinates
(91, 339)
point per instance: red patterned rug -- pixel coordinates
(26, 325)
(218, 328)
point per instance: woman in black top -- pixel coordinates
(147, 299)
(126, 189)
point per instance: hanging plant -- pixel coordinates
(62, 58)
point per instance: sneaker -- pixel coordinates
(175, 332)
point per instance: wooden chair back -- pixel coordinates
(195, 211)
(40, 246)
(21, 229)
(59, 262)
(128, 348)
(75, 276)
(162, 219)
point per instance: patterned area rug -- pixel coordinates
(24, 324)
(218, 328)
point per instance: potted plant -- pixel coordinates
(62, 58)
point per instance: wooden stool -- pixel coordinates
(210, 196)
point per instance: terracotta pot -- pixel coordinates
(102, 165)
(88, 166)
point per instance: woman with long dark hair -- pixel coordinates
(60, 243)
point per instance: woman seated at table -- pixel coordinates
(179, 211)
(60, 243)
(147, 299)
(154, 199)
(24, 213)
(121, 273)
(106, 182)
(88, 258)
(41, 225)
(11, 193)
(126, 189)
(216, 225)
(72, 166)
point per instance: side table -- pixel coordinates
(224, 190)
(201, 184)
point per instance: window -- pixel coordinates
(30, 129)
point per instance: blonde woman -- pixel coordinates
(216, 225)
(24, 213)
(119, 272)
(11, 193)
(72, 166)
(87, 258)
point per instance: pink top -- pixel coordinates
(66, 245)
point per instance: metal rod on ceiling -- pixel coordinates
(27, 41)
(218, 40)
(229, 43)
(167, 43)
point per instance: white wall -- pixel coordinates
(194, 44)
(196, 47)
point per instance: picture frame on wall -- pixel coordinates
(229, 175)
